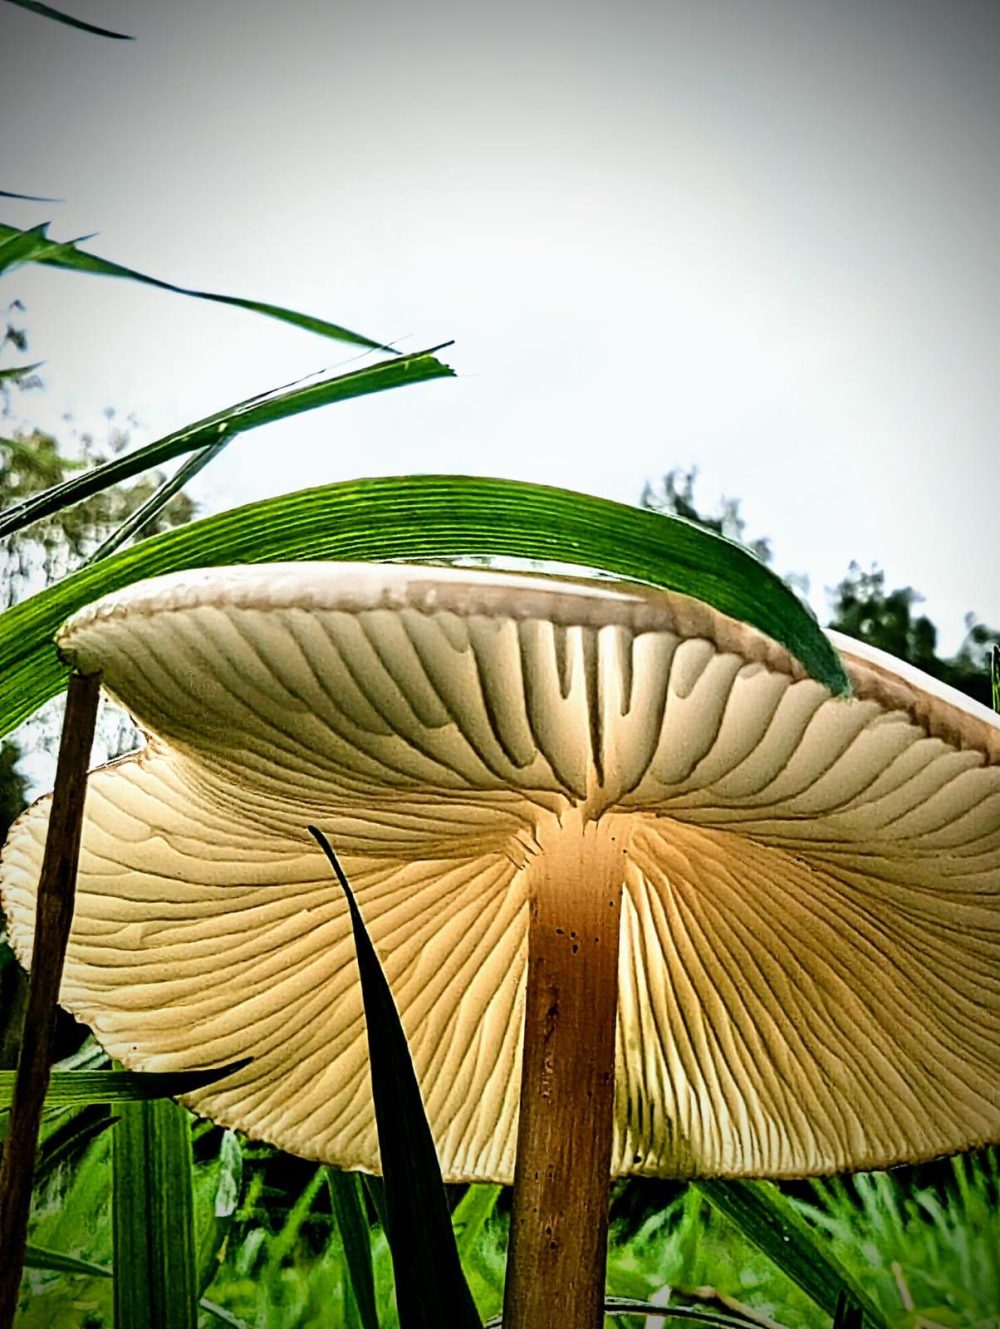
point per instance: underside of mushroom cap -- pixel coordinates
(810, 955)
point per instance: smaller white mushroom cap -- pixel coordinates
(810, 956)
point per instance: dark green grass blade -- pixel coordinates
(430, 1287)
(767, 1220)
(263, 409)
(75, 260)
(47, 11)
(155, 1259)
(423, 517)
(848, 1314)
(995, 675)
(78, 1088)
(347, 1201)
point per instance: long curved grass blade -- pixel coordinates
(155, 1256)
(419, 517)
(430, 1287)
(75, 260)
(262, 409)
(765, 1218)
(77, 1088)
(347, 1202)
(58, 16)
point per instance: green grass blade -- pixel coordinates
(58, 16)
(375, 1191)
(137, 521)
(38, 1257)
(848, 1314)
(423, 517)
(31, 246)
(76, 260)
(430, 1287)
(222, 1315)
(265, 408)
(766, 1219)
(995, 675)
(78, 1088)
(471, 1215)
(16, 372)
(70, 1139)
(347, 1201)
(155, 1262)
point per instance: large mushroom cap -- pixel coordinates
(810, 953)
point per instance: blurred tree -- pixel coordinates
(865, 610)
(861, 606)
(674, 495)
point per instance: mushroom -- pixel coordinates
(744, 927)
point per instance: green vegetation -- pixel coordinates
(925, 1243)
(135, 1200)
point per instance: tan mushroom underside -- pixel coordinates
(810, 958)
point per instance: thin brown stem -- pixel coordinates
(558, 1245)
(53, 916)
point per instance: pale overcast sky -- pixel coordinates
(759, 237)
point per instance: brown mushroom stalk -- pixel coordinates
(54, 913)
(558, 1240)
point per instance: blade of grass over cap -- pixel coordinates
(265, 408)
(75, 260)
(430, 1287)
(46, 11)
(155, 1260)
(767, 1219)
(419, 517)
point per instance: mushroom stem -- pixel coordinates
(558, 1243)
(54, 916)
